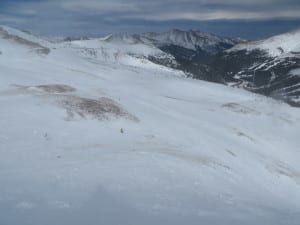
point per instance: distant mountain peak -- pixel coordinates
(191, 39)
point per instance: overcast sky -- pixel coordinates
(245, 18)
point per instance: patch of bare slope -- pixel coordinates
(100, 109)
(235, 107)
(76, 106)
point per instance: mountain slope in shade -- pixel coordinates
(192, 40)
(192, 51)
(269, 67)
(90, 133)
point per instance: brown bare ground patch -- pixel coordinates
(100, 109)
(38, 89)
(75, 106)
(56, 88)
(48, 88)
(235, 107)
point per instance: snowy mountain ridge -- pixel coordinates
(198, 54)
(275, 46)
(191, 39)
(9, 33)
(94, 49)
(269, 67)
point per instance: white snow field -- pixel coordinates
(92, 135)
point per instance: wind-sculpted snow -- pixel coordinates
(110, 139)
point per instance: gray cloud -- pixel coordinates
(111, 16)
(189, 9)
(167, 9)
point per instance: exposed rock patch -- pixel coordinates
(76, 107)
(56, 88)
(45, 88)
(235, 107)
(100, 109)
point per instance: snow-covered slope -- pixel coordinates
(11, 33)
(188, 51)
(15, 43)
(275, 46)
(90, 139)
(104, 48)
(270, 67)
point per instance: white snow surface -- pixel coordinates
(295, 72)
(279, 45)
(90, 134)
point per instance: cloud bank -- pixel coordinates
(99, 17)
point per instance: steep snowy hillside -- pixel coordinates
(90, 134)
(12, 38)
(191, 51)
(270, 67)
(120, 48)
